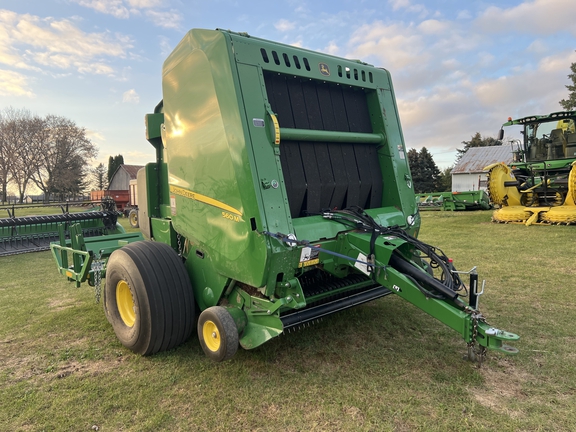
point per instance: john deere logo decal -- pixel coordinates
(324, 69)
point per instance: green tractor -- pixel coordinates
(539, 186)
(280, 194)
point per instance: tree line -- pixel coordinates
(426, 176)
(51, 153)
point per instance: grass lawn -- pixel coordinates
(383, 366)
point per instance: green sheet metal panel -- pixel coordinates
(211, 186)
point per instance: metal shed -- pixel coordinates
(469, 174)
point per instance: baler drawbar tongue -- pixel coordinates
(382, 254)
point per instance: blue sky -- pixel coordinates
(458, 67)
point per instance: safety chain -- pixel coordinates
(178, 239)
(97, 267)
(476, 354)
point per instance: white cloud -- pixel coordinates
(332, 48)
(543, 85)
(531, 17)
(464, 15)
(169, 19)
(14, 84)
(145, 3)
(408, 6)
(115, 8)
(395, 46)
(284, 25)
(166, 46)
(94, 135)
(124, 9)
(130, 96)
(30, 41)
(538, 47)
(433, 27)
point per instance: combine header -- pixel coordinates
(281, 193)
(35, 233)
(539, 187)
(454, 201)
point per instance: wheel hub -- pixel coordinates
(211, 336)
(125, 303)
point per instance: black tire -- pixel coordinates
(218, 333)
(133, 218)
(148, 297)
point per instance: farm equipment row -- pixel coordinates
(280, 193)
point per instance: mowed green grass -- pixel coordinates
(383, 366)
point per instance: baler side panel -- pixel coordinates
(211, 186)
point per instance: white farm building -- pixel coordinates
(469, 174)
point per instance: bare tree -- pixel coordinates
(64, 155)
(52, 152)
(27, 150)
(11, 137)
(6, 154)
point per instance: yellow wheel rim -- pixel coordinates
(211, 336)
(125, 303)
(133, 218)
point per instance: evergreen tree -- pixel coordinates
(99, 180)
(445, 180)
(110, 167)
(113, 164)
(425, 173)
(476, 141)
(570, 103)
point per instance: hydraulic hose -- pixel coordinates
(424, 278)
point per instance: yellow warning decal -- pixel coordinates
(309, 263)
(276, 129)
(203, 199)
